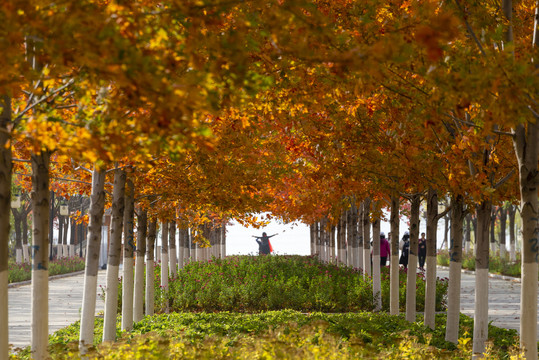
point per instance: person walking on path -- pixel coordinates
(405, 247)
(264, 246)
(422, 251)
(385, 250)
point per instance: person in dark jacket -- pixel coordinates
(403, 260)
(422, 251)
(263, 243)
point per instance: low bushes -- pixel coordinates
(23, 271)
(497, 264)
(283, 334)
(253, 283)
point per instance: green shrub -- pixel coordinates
(279, 334)
(23, 271)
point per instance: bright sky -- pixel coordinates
(291, 238)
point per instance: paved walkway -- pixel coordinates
(503, 298)
(65, 304)
(65, 301)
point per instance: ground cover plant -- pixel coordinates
(253, 283)
(497, 264)
(284, 334)
(23, 271)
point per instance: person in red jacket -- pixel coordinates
(385, 250)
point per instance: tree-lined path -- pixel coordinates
(503, 300)
(65, 302)
(65, 297)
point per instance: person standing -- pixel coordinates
(385, 250)
(264, 247)
(405, 247)
(422, 251)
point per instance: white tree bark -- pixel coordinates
(128, 258)
(172, 249)
(394, 258)
(366, 237)
(138, 300)
(5, 207)
(411, 278)
(150, 293)
(526, 142)
(113, 261)
(376, 280)
(430, 286)
(480, 332)
(40, 254)
(455, 266)
(93, 245)
(164, 259)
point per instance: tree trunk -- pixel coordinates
(138, 301)
(376, 281)
(367, 237)
(446, 230)
(351, 250)
(5, 205)
(17, 222)
(411, 278)
(319, 240)
(172, 254)
(182, 242)
(164, 260)
(394, 258)
(453, 294)
(93, 245)
(40, 254)
(480, 331)
(128, 259)
(152, 234)
(526, 142)
(503, 222)
(323, 230)
(312, 238)
(430, 286)
(512, 237)
(492, 231)
(468, 233)
(113, 261)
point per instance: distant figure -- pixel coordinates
(264, 246)
(422, 251)
(405, 242)
(384, 249)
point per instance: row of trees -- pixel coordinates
(219, 110)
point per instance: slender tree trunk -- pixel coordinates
(164, 261)
(17, 222)
(512, 237)
(172, 255)
(40, 254)
(358, 243)
(480, 332)
(526, 142)
(453, 294)
(183, 242)
(503, 223)
(312, 238)
(492, 231)
(376, 280)
(394, 258)
(138, 301)
(341, 236)
(468, 233)
(128, 260)
(319, 240)
(367, 236)
(411, 278)
(5, 205)
(351, 250)
(430, 286)
(446, 231)
(113, 261)
(323, 230)
(152, 234)
(93, 245)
